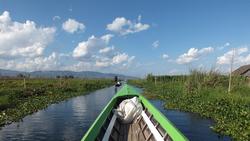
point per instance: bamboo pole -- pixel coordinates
(24, 83)
(230, 74)
(155, 80)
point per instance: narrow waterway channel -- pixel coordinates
(191, 125)
(69, 120)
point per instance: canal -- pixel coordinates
(70, 119)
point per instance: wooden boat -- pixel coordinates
(118, 84)
(151, 125)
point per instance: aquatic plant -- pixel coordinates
(206, 93)
(16, 101)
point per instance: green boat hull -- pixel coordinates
(129, 91)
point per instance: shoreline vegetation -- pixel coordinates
(205, 93)
(22, 97)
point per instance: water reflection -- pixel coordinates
(116, 89)
(68, 120)
(191, 125)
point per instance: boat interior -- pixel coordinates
(144, 128)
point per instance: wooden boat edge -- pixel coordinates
(128, 90)
(96, 125)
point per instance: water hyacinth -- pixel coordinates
(206, 93)
(16, 101)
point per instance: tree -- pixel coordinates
(150, 77)
(20, 75)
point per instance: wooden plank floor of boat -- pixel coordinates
(130, 132)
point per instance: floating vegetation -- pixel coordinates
(16, 101)
(205, 93)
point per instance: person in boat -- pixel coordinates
(117, 82)
(116, 79)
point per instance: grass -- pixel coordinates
(206, 93)
(16, 101)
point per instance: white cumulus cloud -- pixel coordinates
(88, 49)
(72, 26)
(227, 44)
(106, 49)
(119, 58)
(239, 55)
(56, 18)
(23, 39)
(156, 44)
(97, 51)
(193, 54)
(102, 64)
(51, 62)
(23, 44)
(165, 56)
(107, 37)
(123, 26)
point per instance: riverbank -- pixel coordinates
(18, 100)
(205, 94)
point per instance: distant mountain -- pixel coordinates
(10, 73)
(54, 74)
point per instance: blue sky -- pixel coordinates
(189, 34)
